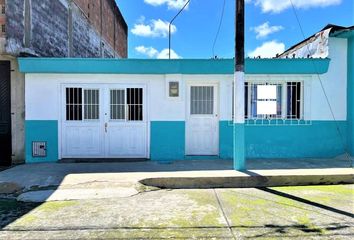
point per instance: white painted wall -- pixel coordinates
(335, 85)
(43, 90)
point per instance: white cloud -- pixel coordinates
(156, 28)
(268, 50)
(164, 54)
(265, 29)
(148, 51)
(154, 53)
(277, 6)
(171, 4)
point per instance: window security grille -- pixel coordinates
(202, 100)
(274, 103)
(135, 104)
(117, 104)
(39, 149)
(91, 104)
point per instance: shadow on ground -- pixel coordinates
(50, 176)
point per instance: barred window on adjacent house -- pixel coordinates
(3, 28)
(3, 9)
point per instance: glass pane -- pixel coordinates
(117, 104)
(135, 104)
(91, 104)
(267, 92)
(73, 104)
(266, 107)
(202, 100)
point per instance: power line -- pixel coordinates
(323, 89)
(220, 23)
(169, 28)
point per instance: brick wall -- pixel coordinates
(60, 28)
(2, 18)
(111, 25)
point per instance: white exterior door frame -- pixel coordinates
(202, 130)
(101, 137)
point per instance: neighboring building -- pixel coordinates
(49, 28)
(182, 109)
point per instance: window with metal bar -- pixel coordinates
(135, 104)
(73, 104)
(273, 100)
(202, 100)
(91, 104)
(294, 108)
(117, 97)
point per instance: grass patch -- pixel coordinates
(11, 210)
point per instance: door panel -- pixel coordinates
(5, 114)
(126, 125)
(104, 121)
(126, 140)
(83, 129)
(202, 129)
(83, 141)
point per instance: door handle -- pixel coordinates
(105, 127)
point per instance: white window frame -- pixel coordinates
(284, 102)
(83, 104)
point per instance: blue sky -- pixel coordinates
(271, 25)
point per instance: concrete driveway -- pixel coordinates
(315, 212)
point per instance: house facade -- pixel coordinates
(166, 110)
(49, 28)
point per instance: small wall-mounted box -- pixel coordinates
(39, 149)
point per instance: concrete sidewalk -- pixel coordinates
(49, 182)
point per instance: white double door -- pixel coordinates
(202, 125)
(104, 121)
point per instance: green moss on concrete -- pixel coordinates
(26, 220)
(144, 188)
(308, 225)
(206, 212)
(241, 208)
(336, 189)
(56, 206)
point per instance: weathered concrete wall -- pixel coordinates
(60, 28)
(15, 26)
(49, 32)
(83, 35)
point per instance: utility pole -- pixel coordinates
(239, 87)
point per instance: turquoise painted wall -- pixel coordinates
(46, 131)
(167, 143)
(350, 88)
(167, 140)
(163, 66)
(320, 139)
(226, 140)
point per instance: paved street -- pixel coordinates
(316, 212)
